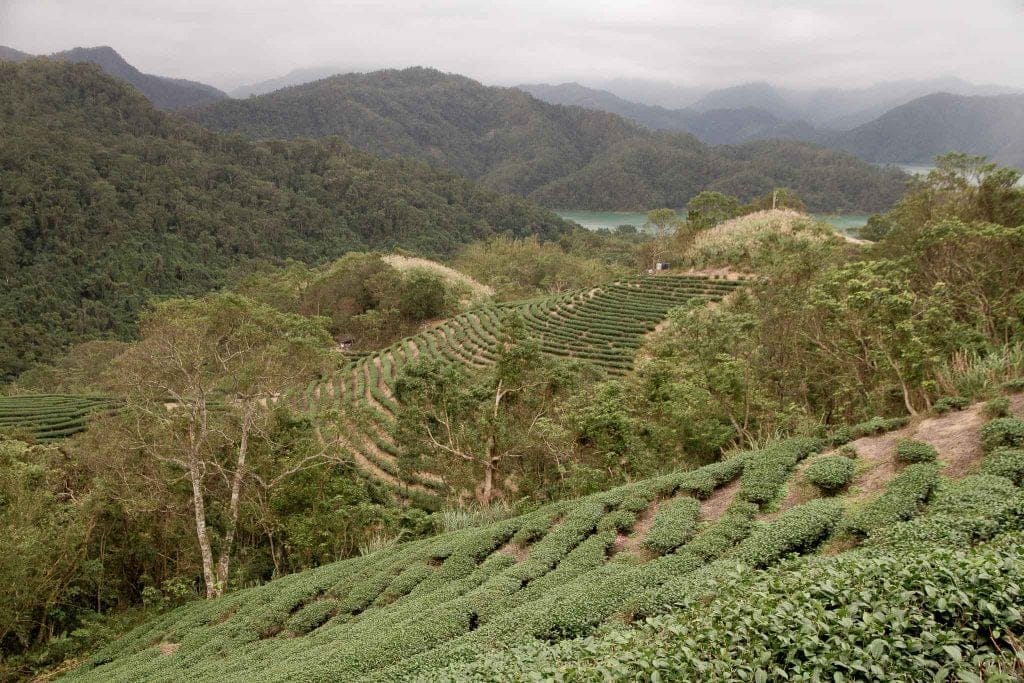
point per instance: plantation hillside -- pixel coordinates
(108, 202)
(558, 156)
(356, 409)
(909, 569)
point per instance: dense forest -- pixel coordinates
(165, 93)
(108, 202)
(562, 157)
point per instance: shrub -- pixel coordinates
(910, 451)
(948, 403)
(797, 529)
(830, 473)
(997, 407)
(674, 524)
(901, 500)
(1003, 432)
(1005, 462)
(765, 471)
(1014, 385)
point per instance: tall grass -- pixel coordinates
(454, 519)
(977, 375)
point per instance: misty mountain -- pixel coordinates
(294, 77)
(942, 122)
(165, 93)
(714, 127)
(828, 108)
(11, 55)
(558, 156)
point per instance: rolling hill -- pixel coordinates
(907, 571)
(108, 201)
(168, 94)
(557, 156)
(721, 126)
(939, 123)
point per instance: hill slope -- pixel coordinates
(702, 546)
(558, 156)
(108, 202)
(165, 93)
(939, 123)
(714, 126)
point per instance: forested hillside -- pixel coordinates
(107, 202)
(165, 93)
(940, 123)
(558, 156)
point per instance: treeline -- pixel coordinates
(559, 156)
(108, 202)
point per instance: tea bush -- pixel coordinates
(910, 451)
(1003, 432)
(902, 499)
(1005, 462)
(948, 403)
(796, 530)
(674, 524)
(830, 473)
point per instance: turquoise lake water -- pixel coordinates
(596, 220)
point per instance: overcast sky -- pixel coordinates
(712, 42)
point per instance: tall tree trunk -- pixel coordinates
(204, 538)
(224, 561)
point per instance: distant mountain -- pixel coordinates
(655, 93)
(942, 122)
(165, 93)
(558, 156)
(295, 77)
(108, 202)
(714, 127)
(829, 108)
(11, 55)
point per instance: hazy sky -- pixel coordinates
(717, 42)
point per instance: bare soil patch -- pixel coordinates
(714, 506)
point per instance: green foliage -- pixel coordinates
(558, 156)
(910, 451)
(948, 403)
(830, 473)
(1005, 462)
(766, 471)
(674, 524)
(796, 530)
(109, 202)
(1003, 432)
(901, 500)
(708, 209)
(997, 407)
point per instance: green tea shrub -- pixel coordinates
(1003, 432)
(877, 425)
(997, 407)
(902, 499)
(830, 473)
(1005, 462)
(950, 403)
(795, 530)
(674, 524)
(619, 520)
(766, 471)
(312, 616)
(910, 451)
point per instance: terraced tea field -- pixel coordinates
(678, 542)
(49, 417)
(355, 409)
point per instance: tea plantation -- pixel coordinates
(49, 418)
(700, 575)
(356, 408)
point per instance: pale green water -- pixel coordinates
(609, 220)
